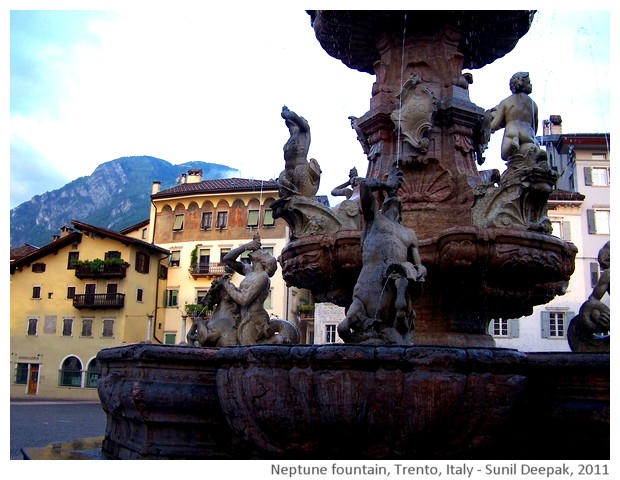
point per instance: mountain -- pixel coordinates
(115, 196)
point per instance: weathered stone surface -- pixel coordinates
(589, 331)
(353, 402)
(161, 403)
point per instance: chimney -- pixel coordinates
(556, 124)
(194, 176)
(156, 187)
(65, 230)
(55, 237)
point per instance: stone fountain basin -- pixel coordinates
(364, 402)
(353, 402)
(474, 275)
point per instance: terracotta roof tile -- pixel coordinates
(221, 185)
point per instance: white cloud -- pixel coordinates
(183, 84)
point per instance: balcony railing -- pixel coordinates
(209, 270)
(102, 271)
(99, 300)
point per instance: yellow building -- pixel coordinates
(199, 221)
(90, 288)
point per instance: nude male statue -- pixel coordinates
(392, 272)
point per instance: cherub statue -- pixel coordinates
(518, 116)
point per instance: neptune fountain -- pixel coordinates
(424, 251)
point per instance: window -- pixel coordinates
(171, 298)
(144, 234)
(108, 328)
(142, 262)
(71, 292)
(112, 255)
(267, 302)
(555, 324)
(67, 327)
(207, 221)
(504, 327)
(200, 294)
(222, 220)
(111, 290)
(93, 373)
(74, 257)
(330, 333)
(175, 258)
(253, 218)
(561, 229)
(87, 327)
(139, 295)
(598, 221)
(600, 176)
(178, 222)
(32, 326)
(71, 373)
(223, 252)
(204, 257)
(596, 176)
(38, 267)
(268, 219)
(36, 292)
(163, 272)
(170, 338)
(21, 373)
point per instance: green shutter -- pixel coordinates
(268, 218)
(253, 218)
(178, 222)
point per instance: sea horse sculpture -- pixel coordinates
(392, 273)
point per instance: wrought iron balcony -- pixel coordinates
(209, 270)
(101, 271)
(99, 300)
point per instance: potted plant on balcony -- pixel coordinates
(99, 266)
(305, 309)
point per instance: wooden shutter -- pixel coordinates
(513, 327)
(566, 231)
(544, 324)
(253, 218)
(587, 175)
(591, 221)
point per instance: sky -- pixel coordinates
(186, 83)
